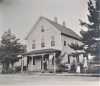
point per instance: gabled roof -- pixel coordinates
(63, 29)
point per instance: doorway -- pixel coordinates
(44, 63)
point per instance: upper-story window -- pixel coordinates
(42, 42)
(42, 29)
(64, 43)
(52, 41)
(33, 44)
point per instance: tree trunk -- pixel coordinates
(12, 66)
(5, 67)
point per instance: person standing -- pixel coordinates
(85, 64)
(78, 69)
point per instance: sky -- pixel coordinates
(21, 15)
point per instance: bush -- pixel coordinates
(18, 69)
(94, 69)
(9, 71)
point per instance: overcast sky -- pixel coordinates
(20, 15)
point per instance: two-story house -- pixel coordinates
(45, 42)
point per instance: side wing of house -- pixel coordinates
(66, 49)
(44, 36)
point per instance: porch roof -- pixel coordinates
(46, 51)
(77, 53)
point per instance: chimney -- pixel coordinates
(55, 19)
(64, 24)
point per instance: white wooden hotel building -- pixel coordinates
(46, 41)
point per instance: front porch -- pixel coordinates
(40, 60)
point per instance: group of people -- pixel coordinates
(79, 67)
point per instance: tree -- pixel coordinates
(1, 1)
(75, 46)
(9, 50)
(91, 37)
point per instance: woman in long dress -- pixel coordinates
(85, 65)
(78, 69)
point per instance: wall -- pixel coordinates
(37, 35)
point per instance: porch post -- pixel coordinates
(54, 63)
(27, 62)
(69, 59)
(31, 63)
(42, 66)
(22, 64)
(77, 59)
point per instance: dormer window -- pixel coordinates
(42, 29)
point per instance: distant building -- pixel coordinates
(45, 42)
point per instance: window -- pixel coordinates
(33, 44)
(29, 58)
(64, 43)
(42, 42)
(52, 41)
(42, 29)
